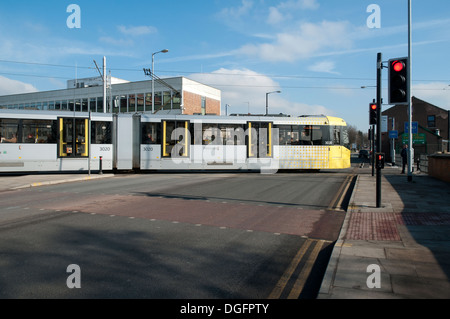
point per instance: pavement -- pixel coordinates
(19, 180)
(400, 250)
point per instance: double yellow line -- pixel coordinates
(304, 274)
(339, 197)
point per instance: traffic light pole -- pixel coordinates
(409, 66)
(378, 148)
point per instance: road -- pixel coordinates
(171, 236)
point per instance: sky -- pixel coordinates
(318, 53)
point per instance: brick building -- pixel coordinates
(432, 128)
(177, 95)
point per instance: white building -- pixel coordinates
(177, 95)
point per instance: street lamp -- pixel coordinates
(267, 101)
(153, 78)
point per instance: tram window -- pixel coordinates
(175, 138)
(232, 134)
(336, 131)
(39, 131)
(150, 133)
(211, 134)
(9, 130)
(73, 137)
(101, 133)
(285, 133)
(345, 139)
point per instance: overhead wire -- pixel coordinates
(210, 74)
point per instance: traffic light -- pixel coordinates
(398, 81)
(372, 114)
(379, 160)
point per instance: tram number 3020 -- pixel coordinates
(105, 149)
(148, 149)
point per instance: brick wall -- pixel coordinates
(439, 166)
(421, 110)
(193, 104)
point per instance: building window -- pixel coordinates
(148, 101)
(123, 104)
(431, 121)
(167, 100)
(132, 103)
(140, 102)
(84, 105)
(176, 101)
(93, 104)
(203, 105)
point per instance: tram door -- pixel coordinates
(176, 139)
(73, 137)
(260, 139)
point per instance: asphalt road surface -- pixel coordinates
(171, 236)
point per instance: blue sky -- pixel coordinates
(318, 53)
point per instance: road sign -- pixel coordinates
(384, 123)
(418, 139)
(415, 127)
(393, 134)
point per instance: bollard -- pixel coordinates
(100, 165)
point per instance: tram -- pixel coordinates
(47, 141)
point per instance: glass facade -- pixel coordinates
(125, 103)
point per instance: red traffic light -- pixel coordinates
(373, 106)
(398, 66)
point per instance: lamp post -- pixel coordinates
(267, 100)
(153, 78)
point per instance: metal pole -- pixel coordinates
(393, 143)
(372, 148)
(104, 84)
(267, 103)
(379, 74)
(410, 137)
(153, 82)
(89, 143)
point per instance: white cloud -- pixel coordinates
(117, 42)
(303, 42)
(245, 90)
(237, 12)
(323, 67)
(136, 30)
(300, 4)
(8, 87)
(275, 16)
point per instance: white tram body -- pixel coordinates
(63, 141)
